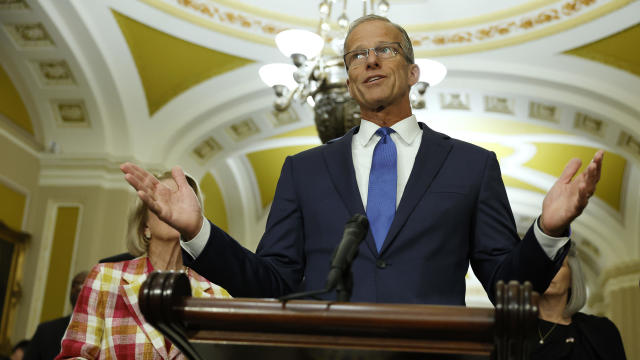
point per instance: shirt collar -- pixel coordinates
(407, 129)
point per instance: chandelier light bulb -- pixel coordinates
(383, 7)
(278, 74)
(296, 41)
(343, 21)
(324, 8)
(432, 72)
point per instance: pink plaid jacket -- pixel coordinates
(107, 323)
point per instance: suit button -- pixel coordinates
(381, 264)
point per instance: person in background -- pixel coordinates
(106, 322)
(17, 353)
(45, 344)
(563, 331)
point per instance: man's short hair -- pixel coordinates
(405, 43)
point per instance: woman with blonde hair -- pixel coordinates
(566, 333)
(106, 322)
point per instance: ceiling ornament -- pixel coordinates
(498, 104)
(70, 113)
(544, 112)
(30, 35)
(454, 101)
(505, 28)
(222, 19)
(517, 25)
(13, 5)
(242, 130)
(54, 72)
(281, 118)
(589, 124)
(629, 143)
(206, 150)
(318, 76)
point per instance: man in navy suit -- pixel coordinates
(450, 203)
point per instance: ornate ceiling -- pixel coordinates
(85, 85)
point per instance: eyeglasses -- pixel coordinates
(383, 51)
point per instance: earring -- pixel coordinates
(147, 234)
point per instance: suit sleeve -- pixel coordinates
(83, 337)
(497, 253)
(277, 266)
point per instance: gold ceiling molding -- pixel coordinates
(620, 50)
(168, 65)
(529, 21)
(545, 22)
(11, 104)
(13, 5)
(221, 20)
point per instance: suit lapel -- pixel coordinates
(339, 161)
(434, 149)
(132, 279)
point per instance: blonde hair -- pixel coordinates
(578, 289)
(137, 244)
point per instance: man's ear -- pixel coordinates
(348, 87)
(414, 74)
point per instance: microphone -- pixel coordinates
(355, 231)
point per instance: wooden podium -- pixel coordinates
(206, 328)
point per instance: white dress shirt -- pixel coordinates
(407, 138)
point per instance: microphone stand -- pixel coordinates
(340, 275)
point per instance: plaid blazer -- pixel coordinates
(107, 323)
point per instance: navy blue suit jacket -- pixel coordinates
(454, 209)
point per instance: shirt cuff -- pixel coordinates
(195, 246)
(549, 244)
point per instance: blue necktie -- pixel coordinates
(381, 200)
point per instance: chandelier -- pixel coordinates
(318, 76)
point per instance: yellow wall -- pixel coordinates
(100, 233)
(13, 206)
(64, 237)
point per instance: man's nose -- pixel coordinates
(372, 59)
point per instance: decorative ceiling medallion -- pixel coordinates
(497, 104)
(280, 118)
(543, 111)
(30, 35)
(70, 113)
(629, 143)
(54, 72)
(454, 37)
(505, 28)
(222, 19)
(242, 130)
(206, 149)
(589, 124)
(455, 101)
(13, 5)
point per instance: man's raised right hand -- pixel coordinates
(178, 208)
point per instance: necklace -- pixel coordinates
(542, 338)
